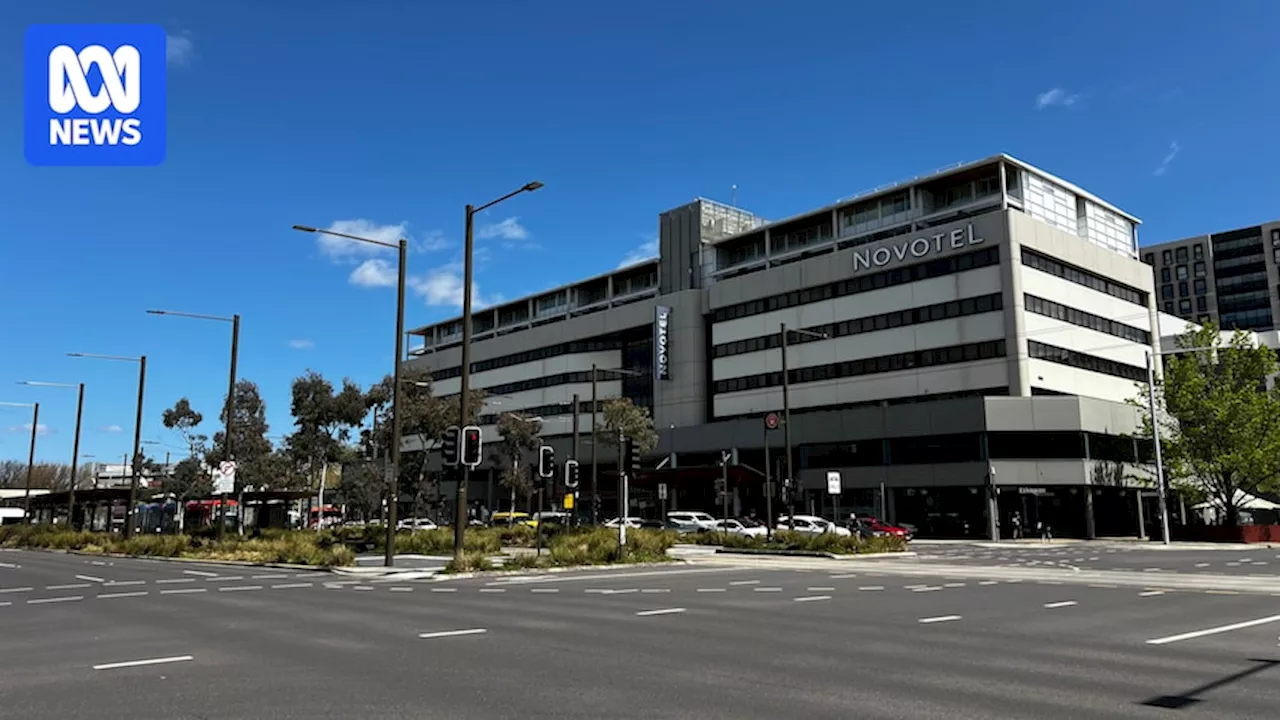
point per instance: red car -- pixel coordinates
(871, 527)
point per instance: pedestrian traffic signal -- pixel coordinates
(546, 461)
(449, 446)
(471, 446)
(571, 474)
(630, 458)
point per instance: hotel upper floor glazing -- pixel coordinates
(705, 241)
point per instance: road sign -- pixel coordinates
(224, 478)
(834, 483)
(771, 421)
(662, 491)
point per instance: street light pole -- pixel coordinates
(1161, 492)
(594, 439)
(464, 384)
(786, 419)
(137, 431)
(31, 455)
(75, 452)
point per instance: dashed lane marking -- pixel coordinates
(820, 589)
(663, 611)
(234, 588)
(122, 583)
(711, 590)
(139, 663)
(452, 633)
(767, 589)
(183, 591)
(107, 596)
(201, 573)
(396, 589)
(544, 590)
(290, 586)
(813, 598)
(745, 582)
(274, 576)
(90, 578)
(224, 578)
(69, 586)
(1062, 604)
(938, 619)
(174, 581)
(1150, 593)
(45, 601)
(871, 587)
(1213, 630)
(16, 590)
(443, 590)
(492, 590)
(988, 582)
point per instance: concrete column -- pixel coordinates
(1142, 525)
(1090, 531)
(1014, 320)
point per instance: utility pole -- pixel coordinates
(230, 410)
(786, 431)
(595, 488)
(1155, 436)
(573, 455)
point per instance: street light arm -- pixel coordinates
(37, 383)
(17, 404)
(529, 187)
(197, 316)
(335, 233)
(93, 356)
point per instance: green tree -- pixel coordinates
(323, 421)
(249, 444)
(520, 437)
(633, 421)
(190, 479)
(186, 419)
(1219, 421)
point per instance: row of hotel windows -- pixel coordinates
(1184, 306)
(1079, 276)
(865, 283)
(1166, 275)
(1057, 311)
(1179, 254)
(1092, 363)
(1201, 287)
(870, 323)
(584, 408)
(969, 447)
(542, 353)
(868, 366)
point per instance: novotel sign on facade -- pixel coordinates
(919, 247)
(662, 342)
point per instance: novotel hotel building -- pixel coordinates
(985, 324)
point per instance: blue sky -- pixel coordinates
(388, 117)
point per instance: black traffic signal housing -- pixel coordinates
(571, 474)
(630, 458)
(449, 446)
(471, 446)
(546, 461)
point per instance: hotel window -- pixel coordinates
(1168, 307)
(1201, 286)
(1184, 307)
(1198, 251)
(1166, 257)
(1182, 272)
(1202, 304)
(1182, 289)
(1166, 275)
(1199, 269)
(1275, 237)
(1166, 292)
(1276, 254)
(1149, 258)
(1181, 254)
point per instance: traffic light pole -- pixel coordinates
(622, 494)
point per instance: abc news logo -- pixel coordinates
(69, 89)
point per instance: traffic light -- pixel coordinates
(546, 461)
(571, 474)
(471, 446)
(449, 446)
(630, 458)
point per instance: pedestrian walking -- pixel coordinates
(1045, 533)
(1016, 523)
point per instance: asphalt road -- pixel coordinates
(696, 642)
(1261, 561)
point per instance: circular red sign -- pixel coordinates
(771, 421)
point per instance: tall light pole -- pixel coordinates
(1161, 493)
(75, 450)
(31, 454)
(137, 431)
(230, 410)
(393, 472)
(460, 499)
(786, 418)
(595, 373)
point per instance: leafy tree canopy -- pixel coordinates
(633, 421)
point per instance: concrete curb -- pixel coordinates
(527, 572)
(812, 554)
(196, 561)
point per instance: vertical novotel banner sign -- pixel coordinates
(662, 342)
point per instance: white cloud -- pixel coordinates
(1056, 97)
(647, 251)
(41, 429)
(112, 429)
(443, 287)
(178, 49)
(373, 273)
(433, 241)
(339, 248)
(1174, 149)
(301, 344)
(509, 229)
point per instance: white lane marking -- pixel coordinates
(452, 633)
(1048, 582)
(1233, 564)
(820, 589)
(183, 591)
(1259, 562)
(244, 587)
(915, 587)
(5, 604)
(119, 583)
(107, 596)
(1213, 630)
(174, 581)
(10, 566)
(871, 587)
(953, 584)
(711, 590)
(223, 578)
(988, 582)
(488, 590)
(70, 586)
(813, 598)
(201, 573)
(938, 619)
(1222, 592)
(290, 586)
(274, 576)
(98, 562)
(544, 590)
(656, 590)
(926, 589)
(613, 575)
(1062, 604)
(1152, 570)
(844, 576)
(43, 601)
(664, 611)
(625, 591)
(1151, 593)
(767, 589)
(1103, 585)
(444, 589)
(90, 578)
(139, 663)
(394, 589)
(745, 582)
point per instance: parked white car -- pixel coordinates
(811, 525)
(632, 522)
(692, 520)
(418, 524)
(737, 527)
